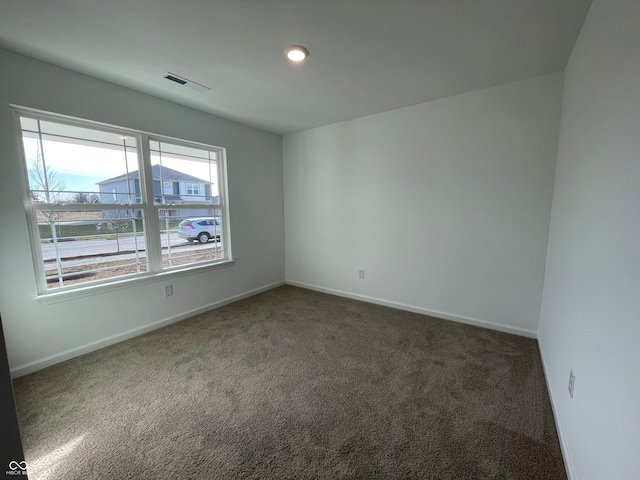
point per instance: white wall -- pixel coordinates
(590, 319)
(35, 331)
(445, 205)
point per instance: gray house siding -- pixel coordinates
(167, 190)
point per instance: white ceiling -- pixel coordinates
(367, 56)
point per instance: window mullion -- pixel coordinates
(36, 249)
(152, 225)
(223, 200)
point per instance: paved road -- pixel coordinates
(101, 246)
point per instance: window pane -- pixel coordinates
(29, 124)
(86, 201)
(190, 236)
(78, 135)
(186, 174)
(84, 246)
(68, 164)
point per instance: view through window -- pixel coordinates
(99, 210)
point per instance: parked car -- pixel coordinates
(201, 229)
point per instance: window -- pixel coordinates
(193, 189)
(96, 210)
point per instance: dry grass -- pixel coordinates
(81, 216)
(119, 268)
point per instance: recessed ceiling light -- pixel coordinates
(296, 53)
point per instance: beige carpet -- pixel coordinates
(295, 384)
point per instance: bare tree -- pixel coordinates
(47, 187)
(118, 222)
(85, 197)
(80, 197)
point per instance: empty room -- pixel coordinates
(299, 239)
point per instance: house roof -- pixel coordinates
(168, 175)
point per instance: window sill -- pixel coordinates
(74, 293)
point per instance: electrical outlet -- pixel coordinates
(168, 290)
(572, 382)
(361, 273)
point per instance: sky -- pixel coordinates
(81, 166)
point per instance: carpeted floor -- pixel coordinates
(295, 384)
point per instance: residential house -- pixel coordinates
(170, 187)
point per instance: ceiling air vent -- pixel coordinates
(175, 79)
(186, 82)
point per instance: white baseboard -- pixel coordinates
(568, 464)
(412, 308)
(119, 337)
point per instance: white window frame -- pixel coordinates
(190, 186)
(155, 269)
